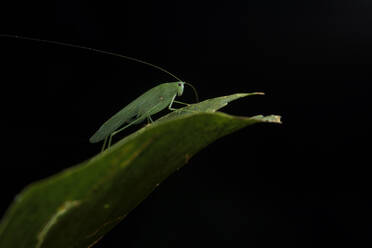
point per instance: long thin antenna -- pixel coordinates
(195, 92)
(89, 49)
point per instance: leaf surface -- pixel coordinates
(79, 205)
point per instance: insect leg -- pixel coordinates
(170, 105)
(121, 129)
(110, 139)
(104, 144)
(117, 131)
(148, 115)
(181, 103)
(186, 110)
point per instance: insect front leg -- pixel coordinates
(173, 109)
(182, 109)
(187, 104)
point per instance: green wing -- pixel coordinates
(151, 102)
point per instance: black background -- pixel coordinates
(305, 183)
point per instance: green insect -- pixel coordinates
(149, 103)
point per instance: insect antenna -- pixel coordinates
(195, 92)
(89, 49)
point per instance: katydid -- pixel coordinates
(149, 103)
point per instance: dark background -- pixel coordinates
(305, 183)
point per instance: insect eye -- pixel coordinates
(179, 84)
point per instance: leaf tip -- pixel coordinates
(268, 118)
(277, 119)
(273, 119)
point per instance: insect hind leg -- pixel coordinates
(136, 121)
(118, 131)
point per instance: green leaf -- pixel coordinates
(77, 206)
(209, 105)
